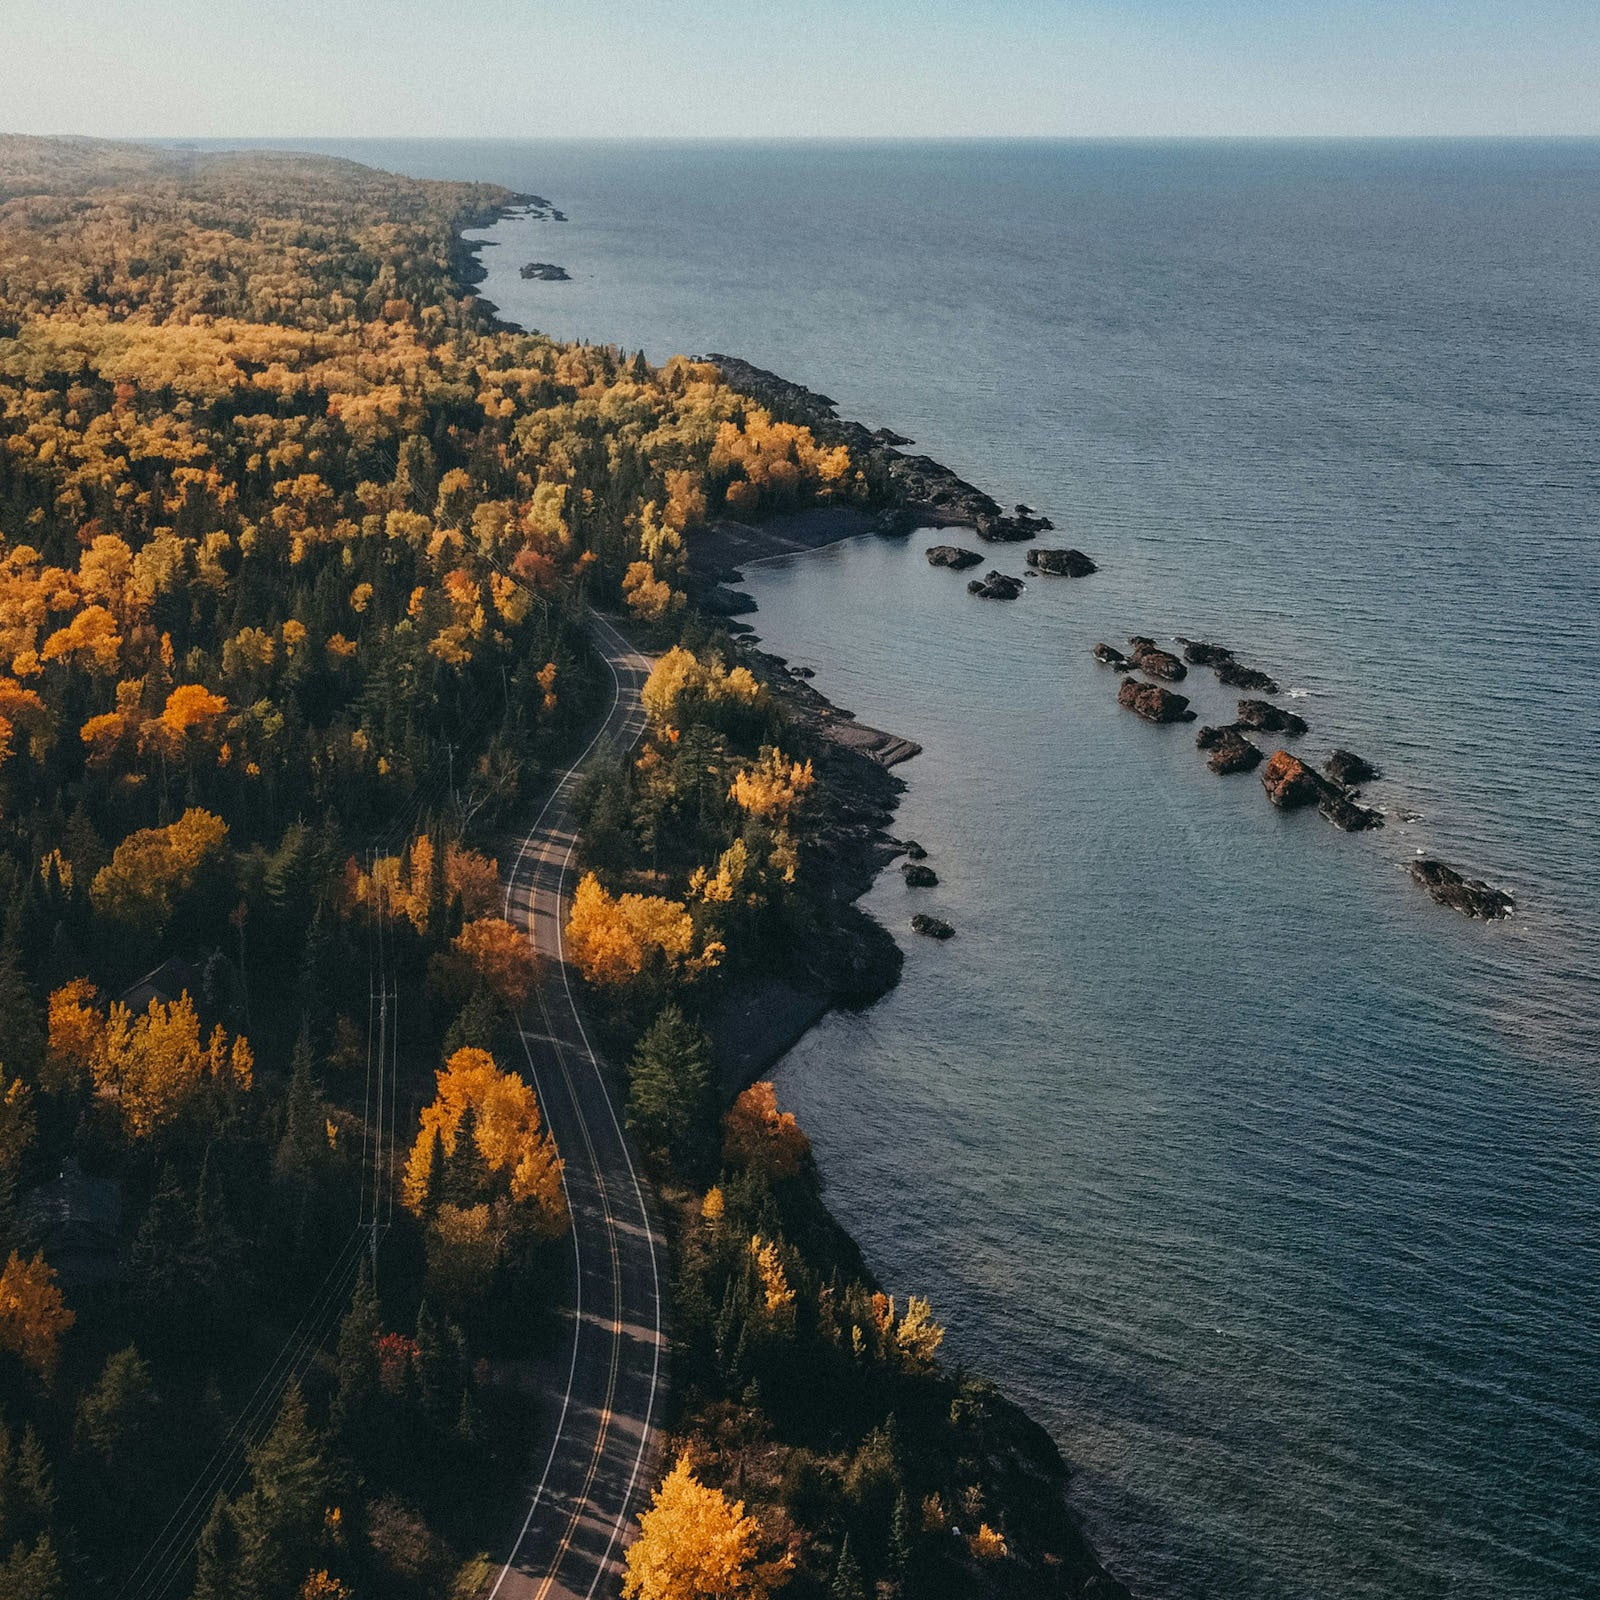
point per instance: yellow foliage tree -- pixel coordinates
(510, 1134)
(154, 865)
(696, 1544)
(149, 1064)
(774, 786)
(33, 1314)
(680, 672)
(610, 939)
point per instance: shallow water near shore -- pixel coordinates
(1268, 1185)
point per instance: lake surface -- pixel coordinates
(1269, 1185)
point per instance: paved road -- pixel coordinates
(598, 1460)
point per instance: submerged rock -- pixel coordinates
(1109, 656)
(1061, 563)
(1150, 658)
(1153, 703)
(952, 556)
(1470, 896)
(1348, 769)
(995, 586)
(1268, 718)
(931, 927)
(1289, 782)
(918, 876)
(1230, 750)
(546, 272)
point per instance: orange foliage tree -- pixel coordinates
(494, 952)
(611, 939)
(756, 1134)
(33, 1315)
(152, 866)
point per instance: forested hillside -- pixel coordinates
(295, 550)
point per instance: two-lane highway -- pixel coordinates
(591, 1474)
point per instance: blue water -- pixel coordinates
(1269, 1185)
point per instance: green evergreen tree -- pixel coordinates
(218, 1557)
(357, 1400)
(847, 1582)
(303, 1140)
(33, 1572)
(466, 1173)
(433, 1183)
(116, 1415)
(670, 1096)
(280, 1519)
(21, 1016)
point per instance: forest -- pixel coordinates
(297, 547)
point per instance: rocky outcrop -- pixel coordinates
(1109, 656)
(1229, 670)
(919, 483)
(1155, 662)
(1343, 812)
(952, 556)
(931, 927)
(1200, 654)
(1230, 750)
(1470, 896)
(1061, 563)
(1289, 782)
(1349, 770)
(546, 272)
(918, 876)
(1153, 703)
(1268, 718)
(995, 586)
(914, 851)
(1236, 676)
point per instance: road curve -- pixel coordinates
(596, 1456)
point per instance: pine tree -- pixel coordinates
(466, 1173)
(303, 1117)
(33, 1572)
(902, 1535)
(357, 1399)
(437, 1389)
(670, 1104)
(217, 1556)
(21, 1017)
(280, 1519)
(847, 1584)
(433, 1186)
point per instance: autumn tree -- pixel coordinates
(33, 1314)
(760, 1137)
(694, 1541)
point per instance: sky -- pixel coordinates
(838, 68)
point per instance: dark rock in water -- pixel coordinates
(1158, 663)
(1470, 896)
(1289, 782)
(953, 556)
(1153, 703)
(1109, 656)
(1348, 769)
(726, 602)
(1268, 718)
(546, 272)
(931, 927)
(801, 672)
(918, 876)
(1200, 654)
(1230, 751)
(1236, 676)
(889, 437)
(1343, 812)
(1061, 563)
(995, 586)
(914, 851)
